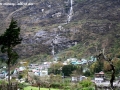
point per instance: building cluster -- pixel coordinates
(42, 69)
(82, 61)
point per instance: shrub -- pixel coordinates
(21, 85)
(87, 73)
(20, 76)
(55, 85)
(85, 83)
(66, 87)
(3, 82)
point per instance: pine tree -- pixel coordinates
(8, 41)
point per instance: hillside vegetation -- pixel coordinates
(94, 26)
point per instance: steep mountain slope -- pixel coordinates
(50, 26)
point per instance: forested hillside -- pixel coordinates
(69, 28)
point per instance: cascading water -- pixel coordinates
(53, 49)
(69, 17)
(54, 41)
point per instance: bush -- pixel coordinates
(55, 85)
(21, 85)
(86, 83)
(87, 73)
(20, 76)
(66, 87)
(3, 82)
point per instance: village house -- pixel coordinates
(99, 77)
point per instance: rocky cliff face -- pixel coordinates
(63, 23)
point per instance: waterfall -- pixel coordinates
(54, 41)
(69, 17)
(53, 50)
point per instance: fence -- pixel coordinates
(106, 88)
(12, 87)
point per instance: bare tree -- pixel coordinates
(102, 56)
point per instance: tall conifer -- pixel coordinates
(8, 41)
